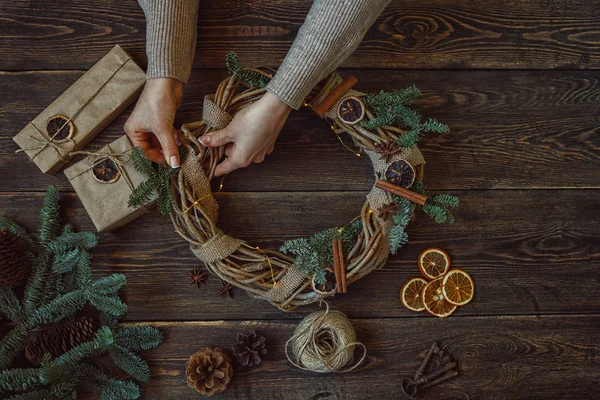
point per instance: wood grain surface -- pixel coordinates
(437, 34)
(520, 264)
(517, 81)
(509, 129)
(499, 358)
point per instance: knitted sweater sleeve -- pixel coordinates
(171, 27)
(330, 33)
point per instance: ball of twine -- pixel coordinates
(324, 341)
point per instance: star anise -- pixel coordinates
(197, 277)
(387, 148)
(388, 210)
(226, 289)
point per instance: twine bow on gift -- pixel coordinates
(50, 141)
(119, 159)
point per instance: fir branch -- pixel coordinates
(95, 380)
(65, 262)
(49, 221)
(159, 176)
(9, 304)
(315, 253)
(445, 200)
(138, 337)
(69, 241)
(398, 237)
(82, 275)
(130, 363)
(110, 305)
(11, 226)
(252, 78)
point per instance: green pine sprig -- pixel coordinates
(398, 237)
(315, 253)
(60, 285)
(391, 108)
(159, 176)
(437, 207)
(252, 78)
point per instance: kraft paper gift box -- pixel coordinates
(103, 182)
(82, 111)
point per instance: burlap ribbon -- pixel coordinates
(286, 286)
(378, 198)
(213, 115)
(216, 248)
(220, 245)
(194, 176)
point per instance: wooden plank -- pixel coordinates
(510, 129)
(529, 252)
(498, 358)
(440, 34)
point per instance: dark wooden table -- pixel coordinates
(518, 82)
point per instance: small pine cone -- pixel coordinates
(209, 371)
(249, 348)
(14, 265)
(59, 340)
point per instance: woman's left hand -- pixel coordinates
(251, 135)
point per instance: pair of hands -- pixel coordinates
(248, 138)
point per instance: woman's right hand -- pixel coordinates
(150, 125)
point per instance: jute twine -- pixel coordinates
(325, 341)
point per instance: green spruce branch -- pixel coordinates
(159, 176)
(315, 253)
(437, 207)
(60, 285)
(252, 78)
(391, 108)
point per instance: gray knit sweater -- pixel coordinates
(330, 33)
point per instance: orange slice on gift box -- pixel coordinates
(434, 262)
(458, 287)
(411, 294)
(434, 300)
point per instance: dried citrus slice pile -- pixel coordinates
(446, 290)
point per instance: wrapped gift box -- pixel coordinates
(103, 181)
(83, 110)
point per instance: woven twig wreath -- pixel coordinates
(267, 274)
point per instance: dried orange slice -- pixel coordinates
(434, 262)
(458, 287)
(410, 294)
(434, 300)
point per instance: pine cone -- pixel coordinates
(249, 348)
(14, 265)
(209, 371)
(61, 339)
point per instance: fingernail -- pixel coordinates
(174, 162)
(204, 140)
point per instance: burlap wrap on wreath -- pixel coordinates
(378, 198)
(216, 248)
(213, 115)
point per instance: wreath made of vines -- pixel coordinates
(304, 270)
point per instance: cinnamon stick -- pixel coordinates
(342, 266)
(402, 192)
(336, 94)
(336, 266)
